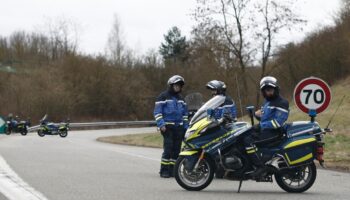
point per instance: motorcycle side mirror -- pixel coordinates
(250, 110)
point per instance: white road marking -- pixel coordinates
(13, 187)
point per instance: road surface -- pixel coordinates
(79, 167)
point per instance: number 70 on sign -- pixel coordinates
(312, 94)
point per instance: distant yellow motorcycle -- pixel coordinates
(50, 128)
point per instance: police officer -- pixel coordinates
(227, 111)
(228, 108)
(171, 115)
(272, 115)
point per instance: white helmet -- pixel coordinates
(176, 79)
(268, 81)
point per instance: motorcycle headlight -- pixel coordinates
(189, 133)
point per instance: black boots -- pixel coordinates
(164, 174)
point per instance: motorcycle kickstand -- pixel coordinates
(240, 185)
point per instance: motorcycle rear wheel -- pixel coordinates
(194, 180)
(63, 133)
(24, 132)
(299, 180)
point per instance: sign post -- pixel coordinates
(312, 96)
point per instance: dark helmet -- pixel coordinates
(176, 79)
(218, 86)
(269, 82)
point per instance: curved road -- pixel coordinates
(79, 167)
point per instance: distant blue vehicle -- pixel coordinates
(50, 128)
(16, 126)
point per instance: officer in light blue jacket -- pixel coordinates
(272, 116)
(171, 115)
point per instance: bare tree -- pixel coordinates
(63, 34)
(116, 47)
(250, 28)
(275, 17)
(58, 37)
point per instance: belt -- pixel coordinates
(174, 123)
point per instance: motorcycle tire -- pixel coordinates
(295, 177)
(24, 132)
(41, 133)
(63, 134)
(7, 131)
(183, 177)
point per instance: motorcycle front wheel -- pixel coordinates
(7, 131)
(41, 133)
(297, 180)
(197, 179)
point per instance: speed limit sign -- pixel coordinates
(312, 94)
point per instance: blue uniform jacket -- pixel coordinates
(274, 113)
(170, 109)
(227, 108)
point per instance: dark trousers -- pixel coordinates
(264, 136)
(172, 139)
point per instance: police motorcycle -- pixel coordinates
(16, 126)
(50, 128)
(210, 143)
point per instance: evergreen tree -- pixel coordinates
(174, 47)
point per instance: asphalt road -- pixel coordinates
(79, 167)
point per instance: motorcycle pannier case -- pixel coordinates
(299, 150)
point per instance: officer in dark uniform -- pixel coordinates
(272, 115)
(171, 115)
(227, 111)
(228, 108)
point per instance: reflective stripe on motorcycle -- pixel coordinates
(252, 151)
(299, 142)
(218, 139)
(188, 153)
(198, 127)
(302, 159)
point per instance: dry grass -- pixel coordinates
(145, 140)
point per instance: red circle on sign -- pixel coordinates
(305, 82)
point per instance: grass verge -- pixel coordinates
(154, 140)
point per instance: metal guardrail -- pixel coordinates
(99, 124)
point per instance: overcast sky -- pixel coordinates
(143, 21)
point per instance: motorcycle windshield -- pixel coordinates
(213, 103)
